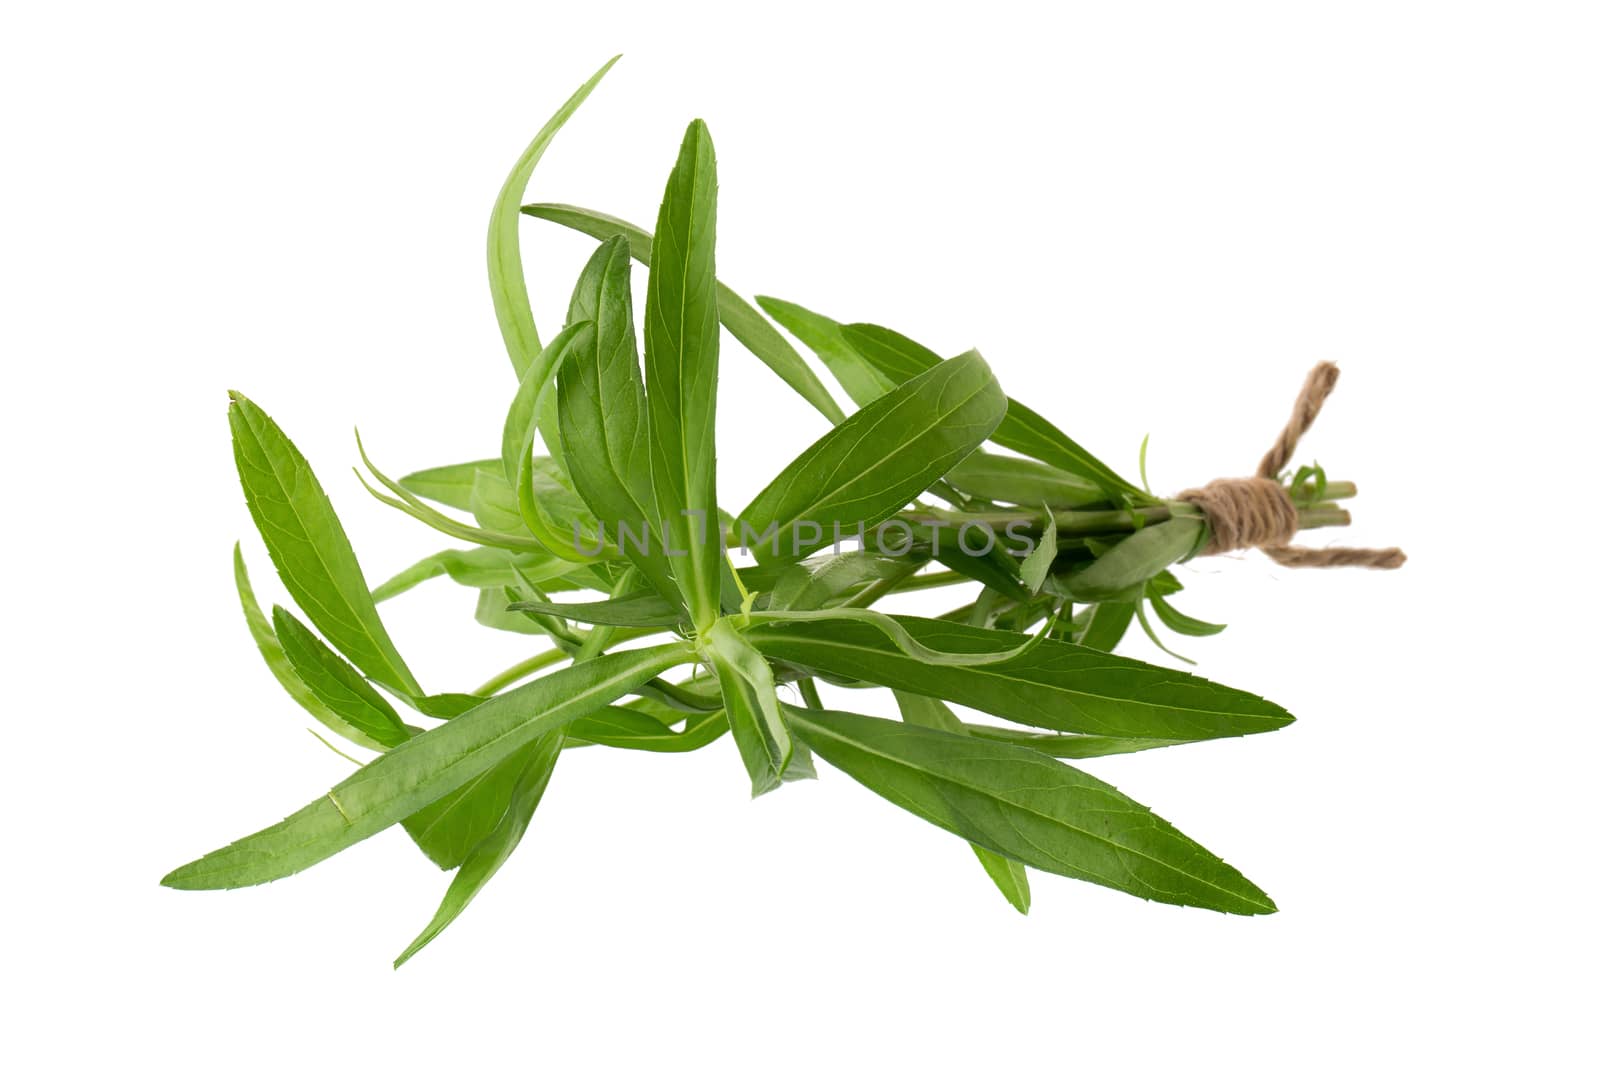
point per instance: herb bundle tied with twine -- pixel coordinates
(657, 620)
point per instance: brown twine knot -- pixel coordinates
(1258, 512)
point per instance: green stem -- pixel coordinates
(808, 693)
(1086, 523)
(1333, 491)
(1312, 518)
(878, 589)
(518, 671)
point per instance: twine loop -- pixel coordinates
(1257, 512)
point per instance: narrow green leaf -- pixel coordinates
(447, 705)
(680, 368)
(486, 858)
(1137, 558)
(603, 418)
(412, 504)
(1071, 746)
(1016, 480)
(272, 651)
(818, 582)
(1155, 638)
(863, 382)
(1105, 624)
(930, 713)
(482, 568)
(309, 546)
(494, 504)
(425, 768)
(894, 355)
(550, 429)
(506, 283)
(559, 503)
(800, 768)
(701, 693)
(626, 728)
(1053, 684)
(1028, 432)
(742, 320)
(480, 823)
(494, 611)
(866, 468)
(1179, 623)
(558, 628)
(450, 828)
(337, 684)
(996, 568)
(642, 609)
(517, 432)
(1036, 568)
(450, 485)
(656, 710)
(538, 479)
(751, 699)
(1024, 430)
(1009, 876)
(1164, 584)
(900, 637)
(984, 610)
(1028, 808)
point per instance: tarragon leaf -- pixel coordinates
(869, 466)
(506, 283)
(1009, 876)
(271, 650)
(1053, 684)
(742, 320)
(1071, 746)
(1104, 624)
(863, 382)
(751, 699)
(1028, 808)
(450, 485)
(809, 584)
(411, 776)
(494, 849)
(412, 504)
(642, 609)
(1179, 623)
(486, 568)
(494, 504)
(1017, 480)
(1155, 638)
(901, 638)
(517, 432)
(680, 369)
(309, 546)
(337, 684)
(624, 727)
(450, 828)
(1024, 430)
(1137, 558)
(603, 417)
(1036, 568)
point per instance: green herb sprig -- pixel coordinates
(596, 531)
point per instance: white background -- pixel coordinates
(1148, 217)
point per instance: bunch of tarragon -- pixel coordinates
(663, 622)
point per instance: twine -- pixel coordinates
(1257, 512)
